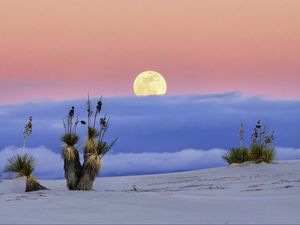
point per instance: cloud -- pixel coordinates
(153, 162)
(159, 124)
(50, 165)
(287, 153)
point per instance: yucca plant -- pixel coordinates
(240, 154)
(72, 166)
(261, 149)
(23, 166)
(94, 148)
(262, 153)
(92, 162)
(82, 177)
(237, 155)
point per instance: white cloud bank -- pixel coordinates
(49, 165)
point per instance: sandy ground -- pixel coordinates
(238, 194)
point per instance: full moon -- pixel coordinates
(149, 83)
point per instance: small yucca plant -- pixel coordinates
(262, 153)
(237, 155)
(261, 149)
(23, 166)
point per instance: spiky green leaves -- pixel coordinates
(70, 139)
(22, 165)
(262, 153)
(92, 133)
(261, 149)
(103, 147)
(237, 155)
(257, 153)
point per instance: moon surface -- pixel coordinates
(149, 83)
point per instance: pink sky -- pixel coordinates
(59, 49)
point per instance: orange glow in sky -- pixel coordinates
(59, 49)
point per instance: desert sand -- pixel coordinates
(238, 194)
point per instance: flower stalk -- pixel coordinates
(27, 132)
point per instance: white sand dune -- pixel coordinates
(239, 194)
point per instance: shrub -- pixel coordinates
(23, 166)
(237, 155)
(262, 153)
(261, 149)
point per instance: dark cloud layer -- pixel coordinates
(159, 124)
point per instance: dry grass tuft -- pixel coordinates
(93, 164)
(69, 153)
(90, 146)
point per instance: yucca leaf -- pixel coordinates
(70, 139)
(23, 165)
(236, 155)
